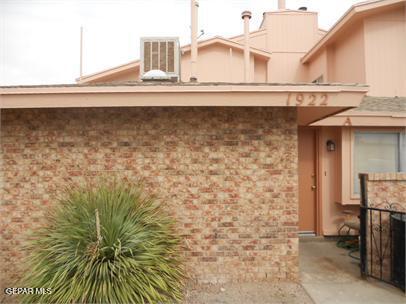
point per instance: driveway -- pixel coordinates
(329, 275)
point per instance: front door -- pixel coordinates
(307, 180)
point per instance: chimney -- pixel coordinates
(246, 16)
(281, 5)
(193, 46)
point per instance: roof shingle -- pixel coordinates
(382, 104)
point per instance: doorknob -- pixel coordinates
(314, 187)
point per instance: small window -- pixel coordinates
(375, 152)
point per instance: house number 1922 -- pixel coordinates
(311, 99)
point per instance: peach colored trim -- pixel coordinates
(353, 195)
(108, 72)
(252, 34)
(290, 11)
(235, 45)
(347, 162)
(193, 47)
(246, 16)
(178, 88)
(363, 120)
(351, 13)
(346, 169)
(374, 113)
(340, 98)
(319, 202)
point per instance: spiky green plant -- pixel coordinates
(106, 244)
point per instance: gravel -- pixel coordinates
(248, 293)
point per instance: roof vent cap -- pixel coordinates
(154, 75)
(303, 8)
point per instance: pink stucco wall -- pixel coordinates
(369, 51)
(385, 49)
(218, 63)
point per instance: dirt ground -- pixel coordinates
(248, 293)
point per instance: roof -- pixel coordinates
(372, 112)
(321, 100)
(383, 104)
(253, 85)
(201, 44)
(230, 43)
(118, 69)
(356, 12)
(258, 32)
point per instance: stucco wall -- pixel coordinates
(228, 175)
(385, 48)
(218, 64)
(257, 39)
(347, 62)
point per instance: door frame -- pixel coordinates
(318, 181)
(318, 170)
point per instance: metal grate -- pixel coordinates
(382, 240)
(160, 54)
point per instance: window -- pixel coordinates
(377, 152)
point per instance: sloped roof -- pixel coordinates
(382, 104)
(184, 49)
(229, 43)
(108, 72)
(372, 112)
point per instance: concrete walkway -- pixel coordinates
(329, 275)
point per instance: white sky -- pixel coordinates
(39, 39)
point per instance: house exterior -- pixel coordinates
(238, 157)
(290, 48)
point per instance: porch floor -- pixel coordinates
(329, 275)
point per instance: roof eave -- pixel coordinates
(260, 53)
(108, 72)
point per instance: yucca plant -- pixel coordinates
(106, 244)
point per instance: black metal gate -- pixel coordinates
(382, 240)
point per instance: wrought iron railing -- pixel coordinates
(382, 240)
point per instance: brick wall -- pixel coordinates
(387, 188)
(228, 175)
(385, 191)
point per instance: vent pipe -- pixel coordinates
(281, 5)
(246, 16)
(193, 46)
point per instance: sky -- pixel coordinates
(40, 39)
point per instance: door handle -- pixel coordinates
(314, 187)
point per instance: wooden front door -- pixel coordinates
(307, 180)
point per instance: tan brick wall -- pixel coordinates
(387, 188)
(229, 176)
(385, 191)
